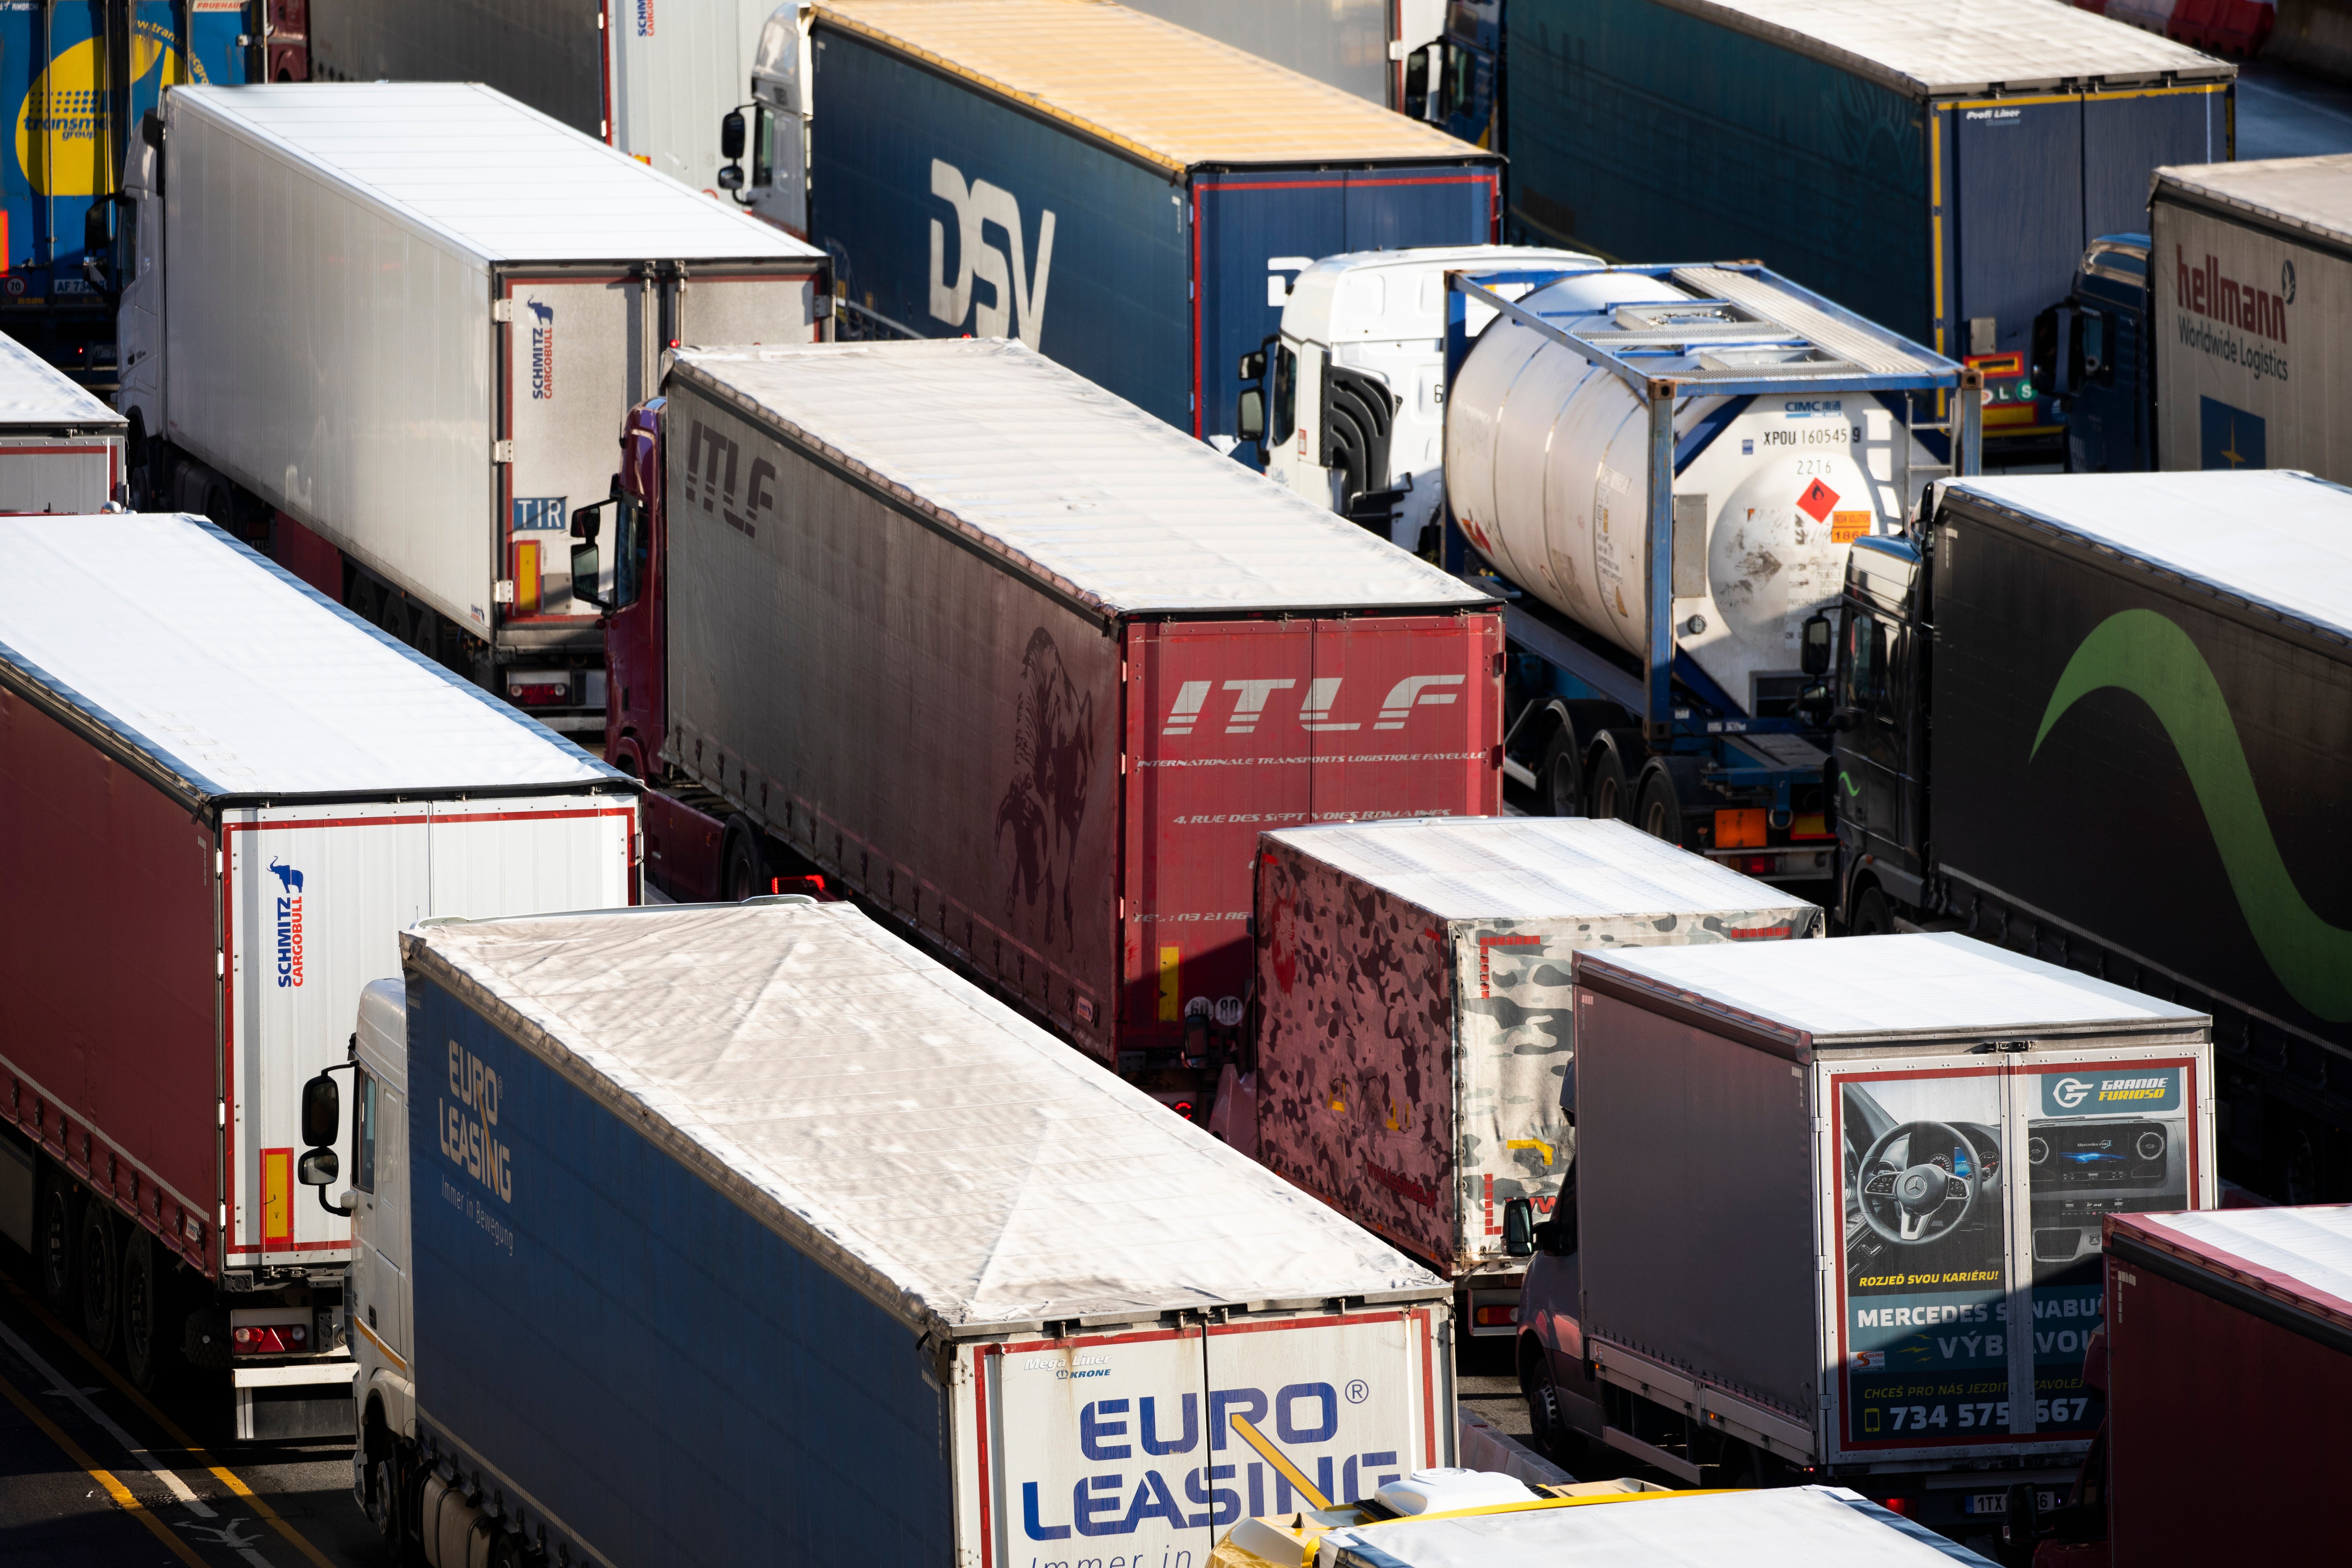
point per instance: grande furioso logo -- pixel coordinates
(290, 924)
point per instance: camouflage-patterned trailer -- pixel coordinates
(1415, 1036)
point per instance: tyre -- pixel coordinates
(387, 1500)
(146, 1306)
(745, 874)
(1607, 792)
(1660, 813)
(101, 1278)
(57, 1239)
(1543, 1424)
(1871, 915)
(396, 619)
(1560, 782)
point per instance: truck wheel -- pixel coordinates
(1661, 813)
(101, 1277)
(1559, 784)
(746, 874)
(57, 1237)
(145, 1289)
(1871, 915)
(1608, 793)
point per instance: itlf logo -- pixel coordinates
(289, 924)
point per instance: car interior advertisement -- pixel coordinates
(1924, 1341)
(2103, 1138)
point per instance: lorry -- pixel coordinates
(76, 80)
(1415, 1022)
(415, 446)
(872, 1264)
(60, 448)
(2269, 1284)
(2093, 718)
(1886, 1163)
(1938, 172)
(640, 77)
(1660, 469)
(1440, 1518)
(1018, 666)
(972, 162)
(221, 798)
(1381, 50)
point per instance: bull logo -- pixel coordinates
(1037, 821)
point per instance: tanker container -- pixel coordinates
(1665, 466)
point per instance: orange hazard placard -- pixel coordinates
(1845, 527)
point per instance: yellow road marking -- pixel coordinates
(171, 1428)
(114, 1488)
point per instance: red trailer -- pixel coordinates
(2229, 1360)
(1019, 665)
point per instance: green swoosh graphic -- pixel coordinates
(2144, 653)
(1850, 788)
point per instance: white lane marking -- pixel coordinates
(171, 1483)
(227, 1536)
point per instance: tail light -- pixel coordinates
(1495, 1317)
(1759, 865)
(1904, 1506)
(1182, 1108)
(269, 1339)
(536, 689)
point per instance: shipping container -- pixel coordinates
(1937, 170)
(221, 798)
(1883, 1163)
(1025, 667)
(2249, 307)
(1414, 1023)
(2229, 1354)
(437, 418)
(2102, 719)
(739, 1230)
(60, 448)
(76, 77)
(1126, 196)
(650, 76)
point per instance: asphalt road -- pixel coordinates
(95, 1474)
(2284, 113)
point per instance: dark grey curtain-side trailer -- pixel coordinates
(741, 1229)
(2141, 693)
(412, 433)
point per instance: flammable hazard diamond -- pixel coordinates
(1817, 501)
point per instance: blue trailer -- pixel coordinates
(1937, 170)
(748, 1232)
(1129, 198)
(63, 67)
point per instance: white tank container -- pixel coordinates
(1547, 467)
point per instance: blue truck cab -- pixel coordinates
(2092, 357)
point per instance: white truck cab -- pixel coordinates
(1353, 388)
(380, 1295)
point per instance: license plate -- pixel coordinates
(1998, 1502)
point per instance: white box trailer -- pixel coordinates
(2249, 286)
(221, 799)
(409, 318)
(1839, 1205)
(775, 1199)
(60, 448)
(1415, 1031)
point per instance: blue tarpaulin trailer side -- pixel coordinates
(964, 185)
(1949, 196)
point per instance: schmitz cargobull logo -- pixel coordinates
(289, 924)
(542, 350)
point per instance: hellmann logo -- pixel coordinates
(289, 924)
(2208, 293)
(1249, 699)
(1017, 293)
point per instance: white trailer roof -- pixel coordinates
(2273, 537)
(1788, 1527)
(954, 1161)
(230, 677)
(498, 180)
(2303, 1253)
(2303, 195)
(1940, 47)
(1064, 482)
(1532, 868)
(33, 392)
(1858, 989)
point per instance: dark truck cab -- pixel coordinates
(2092, 357)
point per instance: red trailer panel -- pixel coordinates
(2229, 1373)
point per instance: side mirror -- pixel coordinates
(1251, 420)
(98, 227)
(1817, 644)
(2023, 1523)
(1519, 1227)
(731, 141)
(1253, 365)
(323, 1111)
(731, 178)
(587, 570)
(318, 1168)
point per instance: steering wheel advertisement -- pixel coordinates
(1926, 1331)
